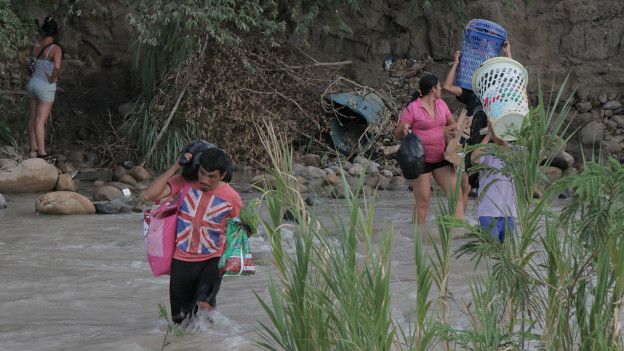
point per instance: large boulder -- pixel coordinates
(106, 193)
(64, 203)
(32, 175)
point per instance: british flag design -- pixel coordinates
(200, 223)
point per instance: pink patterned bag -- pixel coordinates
(160, 233)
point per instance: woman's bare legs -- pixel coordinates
(447, 179)
(465, 189)
(43, 112)
(32, 117)
(421, 187)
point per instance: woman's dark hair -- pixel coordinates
(426, 83)
(49, 27)
(211, 159)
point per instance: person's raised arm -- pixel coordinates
(160, 188)
(449, 83)
(57, 58)
(507, 49)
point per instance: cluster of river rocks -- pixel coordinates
(73, 185)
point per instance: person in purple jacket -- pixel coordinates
(497, 203)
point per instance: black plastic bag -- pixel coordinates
(411, 157)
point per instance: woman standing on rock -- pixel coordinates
(41, 88)
(430, 118)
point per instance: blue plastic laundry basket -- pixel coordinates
(482, 40)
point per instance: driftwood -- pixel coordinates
(165, 126)
(453, 146)
(315, 64)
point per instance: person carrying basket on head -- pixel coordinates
(474, 109)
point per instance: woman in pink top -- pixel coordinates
(430, 118)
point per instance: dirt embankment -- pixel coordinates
(551, 38)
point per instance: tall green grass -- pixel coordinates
(557, 283)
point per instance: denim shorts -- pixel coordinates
(41, 90)
(498, 226)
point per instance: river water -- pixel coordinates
(82, 282)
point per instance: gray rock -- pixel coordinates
(617, 138)
(612, 95)
(106, 193)
(329, 171)
(386, 173)
(105, 208)
(612, 105)
(2, 202)
(346, 165)
(566, 194)
(98, 183)
(127, 179)
(64, 203)
(76, 156)
(65, 167)
(398, 183)
(383, 183)
(140, 174)
(607, 113)
(373, 168)
(356, 170)
(602, 97)
(313, 172)
(584, 106)
(592, 133)
(612, 147)
(312, 160)
(611, 125)
(619, 119)
(313, 200)
(298, 169)
(119, 172)
(361, 161)
(60, 158)
(583, 93)
(65, 183)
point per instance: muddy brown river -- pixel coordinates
(82, 282)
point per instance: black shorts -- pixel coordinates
(191, 282)
(429, 167)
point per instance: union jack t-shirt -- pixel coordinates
(200, 228)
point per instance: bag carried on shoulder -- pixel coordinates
(236, 259)
(159, 231)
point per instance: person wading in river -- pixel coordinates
(430, 118)
(200, 231)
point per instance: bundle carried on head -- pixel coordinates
(197, 148)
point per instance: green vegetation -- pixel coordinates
(557, 284)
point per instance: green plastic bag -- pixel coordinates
(236, 259)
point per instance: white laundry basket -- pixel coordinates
(501, 85)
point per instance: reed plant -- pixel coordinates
(556, 283)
